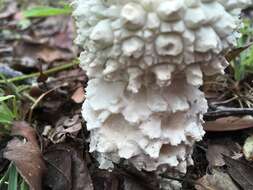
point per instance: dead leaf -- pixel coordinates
(66, 169)
(130, 184)
(66, 126)
(10, 10)
(234, 53)
(216, 150)
(50, 55)
(216, 181)
(241, 172)
(78, 96)
(21, 128)
(112, 182)
(65, 37)
(26, 155)
(230, 123)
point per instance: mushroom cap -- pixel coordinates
(145, 34)
(146, 60)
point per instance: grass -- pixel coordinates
(45, 11)
(243, 64)
(11, 180)
(11, 95)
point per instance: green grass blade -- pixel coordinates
(4, 177)
(47, 11)
(3, 98)
(6, 115)
(24, 185)
(13, 178)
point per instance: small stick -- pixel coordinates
(47, 72)
(39, 99)
(225, 112)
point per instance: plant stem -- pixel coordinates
(47, 72)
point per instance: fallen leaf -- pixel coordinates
(50, 55)
(248, 148)
(130, 184)
(64, 38)
(230, 123)
(112, 182)
(23, 129)
(241, 172)
(234, 53)
(66, 126)
(216, 181)
(216, 150)
(10, 10)
(78, 96)
(26, 155)
(66, 169)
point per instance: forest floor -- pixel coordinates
(42, 134)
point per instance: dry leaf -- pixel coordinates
(241, 172)
(132, 185)
(65, 126)
(233, 54)
(216, 181)
(66, 169)
(216, 150)
(23, 129)
(230, 123)
(50, 55)
(10, 9)
(26, 155)
(78, 96)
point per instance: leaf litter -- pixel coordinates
(56, 146)
(26, 155)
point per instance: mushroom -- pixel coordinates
(145, 60)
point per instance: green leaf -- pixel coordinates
(47, 11)
(239, 71)
(24, 185)
(6, 115)
(4, 178)
(3, 98)
(13, 178)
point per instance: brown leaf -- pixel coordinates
(26, 155)
(230, 123)
(10, 10)
(50, 55)
(233, 54)
(65, 126)
(216, 181)
(130, 184)
(21, 128)
(78, 96)
(66, 169)
(112, 182)
(64, 38)
(241, 172)
(221, 147)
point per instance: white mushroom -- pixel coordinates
(146, 60)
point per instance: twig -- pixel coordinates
(38, 100)
(225, 112)
(47, 72)
(225, 101)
